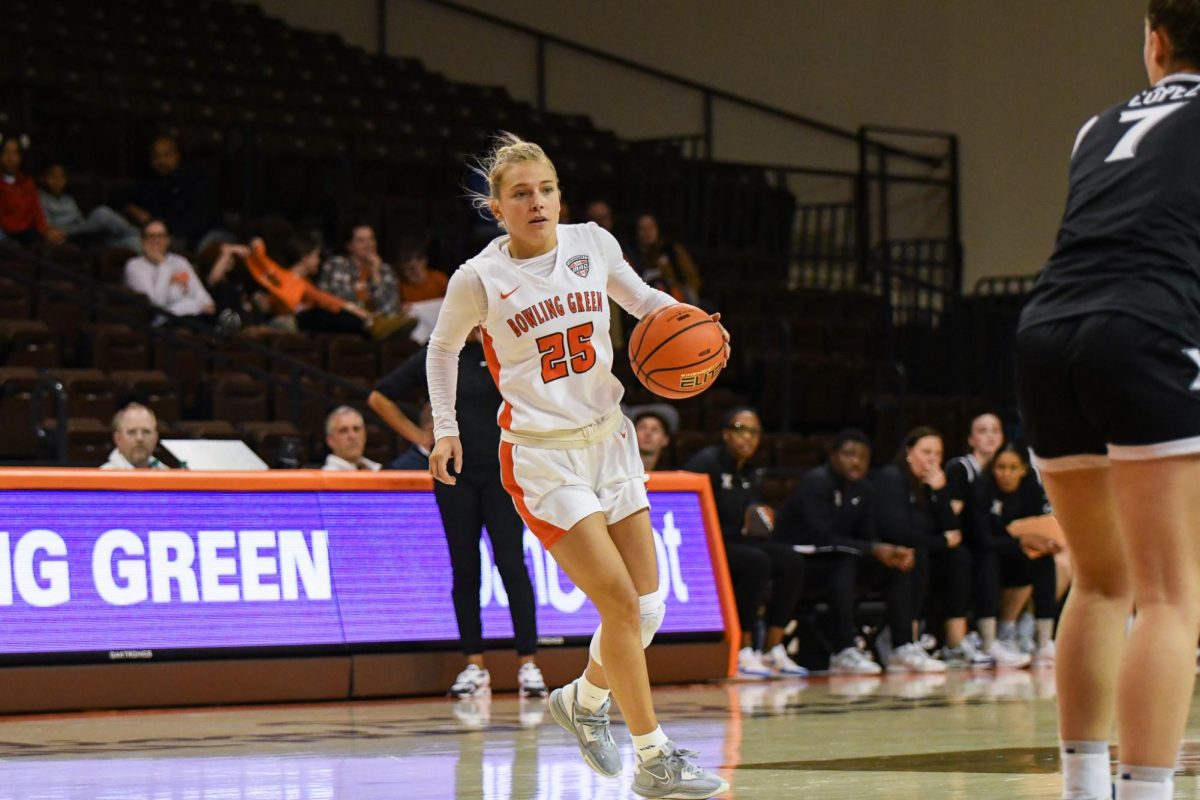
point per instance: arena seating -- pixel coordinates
(299, 125)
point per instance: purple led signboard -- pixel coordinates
(127, 573)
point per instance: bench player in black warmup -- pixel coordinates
(1108, 360)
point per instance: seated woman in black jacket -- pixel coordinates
(914, 511)
(1007, 490)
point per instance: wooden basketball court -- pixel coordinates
(956, 736)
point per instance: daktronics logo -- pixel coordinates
(548, 579)
(170, 566)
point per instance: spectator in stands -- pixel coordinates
(754, 564)
(135, 434)
(293, 296)
(664, 264)
(167, 279)
(1008, 490)
(915, 512)
(985, 439)
(102, 226)
(832, 512)
(655, 424)
(346, 436)
(599, 212)
(233, 291)
(417, 281)
(477, 500)
(22, 218)
(361, 276)
(180, 196)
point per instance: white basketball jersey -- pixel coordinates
(546, 339)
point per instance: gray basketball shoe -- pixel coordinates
(673, 774)
(591, 731)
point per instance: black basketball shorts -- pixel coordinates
(1108, 386)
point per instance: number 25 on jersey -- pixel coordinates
(564, 353)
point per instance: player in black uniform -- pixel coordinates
(1108, 361)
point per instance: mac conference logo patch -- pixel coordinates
(579, 265)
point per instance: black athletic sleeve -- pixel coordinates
(892, 508)
(943, 514)
(1034, 502)
(405, 379)
(866, 529)
(958, 482)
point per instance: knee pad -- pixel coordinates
(652, 609)
(594, 647)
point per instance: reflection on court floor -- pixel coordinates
(956, 736)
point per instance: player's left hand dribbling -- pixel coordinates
(724, 333)
(447, 449)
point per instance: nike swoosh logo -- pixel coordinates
(665, 777)
(505, 295)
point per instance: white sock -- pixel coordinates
(1087, 774)
(1008, 630)
(1144, 783)
(649, 745)
(987, 630)
(588, 694)
(1045, 632)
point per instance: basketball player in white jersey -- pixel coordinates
(568, 456)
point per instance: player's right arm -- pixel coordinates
(464, 307)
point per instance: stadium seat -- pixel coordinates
(238, 398)
(89, 440)
(151, 388)
(108, 346)
(351, 356)
(14, 300)
(90, 393)
(279, 444)
(207, 429)
(27, 343)
(16, 395)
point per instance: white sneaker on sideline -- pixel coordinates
(530, 682)
(853, 661)
(471, 681)
(779, 662)
(913, 658)
(1044, 657)
(1007, 655)
(967, 656)
(750, 664)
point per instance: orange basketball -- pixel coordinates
(676, 351)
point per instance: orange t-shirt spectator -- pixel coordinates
(290, 290)
(419, 282)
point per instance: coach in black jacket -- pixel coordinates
(753, 563)
(831, 510)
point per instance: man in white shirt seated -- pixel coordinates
(346, 435)
(135, 433)
(167, 279)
